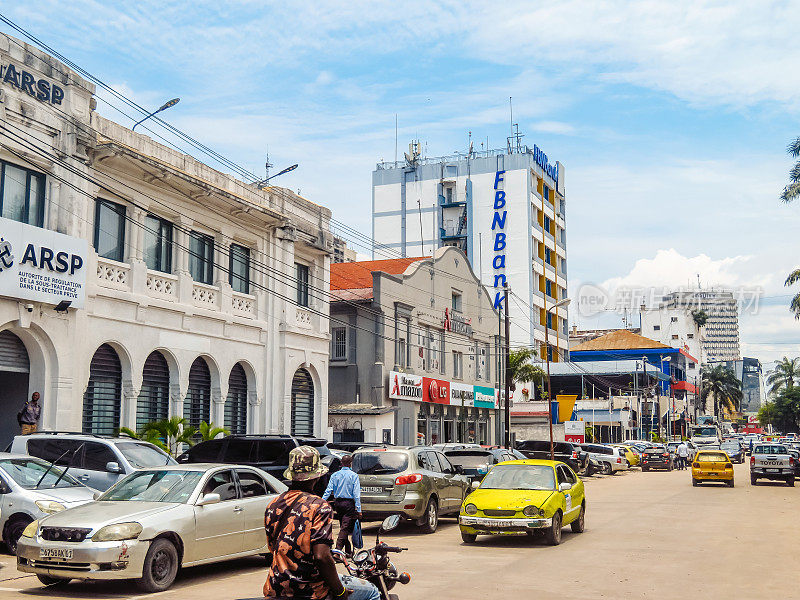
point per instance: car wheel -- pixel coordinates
(695, 483)
(431, 518)
(160, 566)
(729, 483)
(790, 481)
(753, 480)
(13, 531)
(607, 468)
(645, 469)
(52, 581)
(554, 533)
(578, 524)
(669, 467)
(469, 538)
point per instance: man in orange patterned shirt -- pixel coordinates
(299, 528)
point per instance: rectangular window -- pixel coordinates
(441, 353)
(546, 193)
(201, 257)
(547, 224)
(158, 244)
(674, 336)
(109, 230)
(656, 327)
(302, 284)
(550, 320)
(339, 339)
(458, 365)
(239, 274)
(548, 257)
(401, 353)
(690, 336)
(674, 319)
(456, 303)
(21, 194)
(548, 288)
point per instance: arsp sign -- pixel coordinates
(41, 89)
(499, 240)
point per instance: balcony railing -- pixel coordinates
(113, 274)
(162, 285)
(205, 296)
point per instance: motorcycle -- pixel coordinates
(374, 565)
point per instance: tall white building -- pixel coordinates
(505, 209)
(721, 332)
(675, 327)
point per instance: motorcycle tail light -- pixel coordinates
(408, 479)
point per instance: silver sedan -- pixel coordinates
(151, 523)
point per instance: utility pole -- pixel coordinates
(644, 393)
(508, 370)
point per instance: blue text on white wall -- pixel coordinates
(500, 241)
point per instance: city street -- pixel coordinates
(648, 535)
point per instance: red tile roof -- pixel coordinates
(358, 275)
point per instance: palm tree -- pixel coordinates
(786, 372)
(790, 193)
(208, 431)
(520, 368)
(721, 384)
(170, 434)
(700, 317)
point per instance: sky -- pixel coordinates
(671, 118)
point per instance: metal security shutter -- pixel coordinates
(197, 405)
(153, 402)
(13, 355)
(236, 403)
(302, 403)
(102, 400)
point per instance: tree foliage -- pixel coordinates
(521, 369)
(723, 388)
(790, 193)
(784, 412)
(786, 373)
(172, 434)
(700, 317)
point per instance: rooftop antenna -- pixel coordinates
(511, 112)
(395, 137)
(267, 165)
(698, 281)
(421, 238)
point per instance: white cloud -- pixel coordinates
(555, 127)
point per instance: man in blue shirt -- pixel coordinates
(344, 491)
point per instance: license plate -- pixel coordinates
(372, 490)
(773, 470)
(62, 553)
(502, 523)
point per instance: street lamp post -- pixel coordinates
(565, 302)
(263, 182)
(165, 106)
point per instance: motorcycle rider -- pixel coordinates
(299, 527)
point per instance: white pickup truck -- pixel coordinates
(771, 461)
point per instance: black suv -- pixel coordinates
(267, 452)
(567, 452)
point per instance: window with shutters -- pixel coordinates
(339, 340)
(197, 404)
(302, 403)
(102, 399)
(302, 284)
(13, 355)
(236, 402)
(153, 402)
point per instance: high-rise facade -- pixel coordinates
(720, 334)
(505, 209)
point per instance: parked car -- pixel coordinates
(521, 497)
(476, 462)
(353, 446)
(795, 454)
(632, 454)
(734, 450)
(269, 453)
(567, 452)
(31, 489)
(712, 465)
(416, 482)
(692, 447)
(658, 457)
(95, 460)
(771, 461)
(612, 459)
(455, 446)
(152, 523)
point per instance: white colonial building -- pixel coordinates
(186, 291)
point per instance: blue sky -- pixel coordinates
(671, 118)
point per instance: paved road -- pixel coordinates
(648, 535)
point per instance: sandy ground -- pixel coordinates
(648, 535)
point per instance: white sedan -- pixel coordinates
(151, 523)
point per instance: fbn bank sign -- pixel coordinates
(500, 242)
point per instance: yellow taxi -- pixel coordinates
(712, 465)
(630, 454)
(520, 497)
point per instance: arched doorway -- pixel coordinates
(302, 403)
(102, 399)
(14, 374)
(153, 402)
(236, 402)
(197, 404)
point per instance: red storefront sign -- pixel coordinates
(575, 439)
(435, 390)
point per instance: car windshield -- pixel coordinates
(520, 477)
(155, 486)
(731, 446)
(704, 431)
(379, 462)
(142, 456)
(770, 450)
(28, 471)
(470, 460)
(712, 457)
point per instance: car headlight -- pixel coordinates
(30, 530)
(532, 511)
(118, 531)
(49, 506)
(471, 509)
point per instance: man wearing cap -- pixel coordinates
(299, 528)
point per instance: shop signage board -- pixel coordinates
(41, 265)
(462, 394)
(404, 386)
(485, 397)
(436, 391)
(574, 431)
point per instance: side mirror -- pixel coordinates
(563, 487)
(208, 499)
(459, 469)
(113, 467)
(390, 522)
(96, 495)
(476, 484)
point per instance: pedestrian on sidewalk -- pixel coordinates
(683, 453)
(28, 417)
(344, 491)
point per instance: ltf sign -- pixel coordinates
(574, 431)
